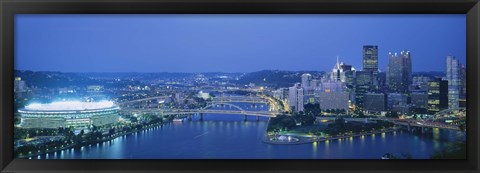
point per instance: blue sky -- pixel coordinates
(230, 43)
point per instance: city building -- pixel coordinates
(343, 73)
(363, 85)
(295, 98)
(281, 93)
(375, 102)
(382, 81)
(370, 61)
(420, 84)
(306, 80)
(437, 95)
(79, 115)
(334, 100)
(419, 100)
(454, 82)
(308, 88)
(179, 97)
(397, 102)
(399, 72)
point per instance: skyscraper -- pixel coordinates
(363, 85)
(454, 81)
(306, 80)
(308, 88)
(295, 98)
(343, 73)
(437, 95)
(399, 72)
(370, 61)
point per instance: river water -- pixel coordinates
(229, 137)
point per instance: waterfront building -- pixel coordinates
(79, 115)
(295, 98)
(437, 95)
(399, 72)
(363, 85)
(375, 102)
(370, 61)
(281, 93)
(454, 81)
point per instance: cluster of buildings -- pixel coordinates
(371, 91)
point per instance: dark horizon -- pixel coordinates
(231, 43)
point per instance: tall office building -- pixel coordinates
(370, 61)
(295, 98)
(363, 85)
(342, 72)
(399, 72)
(308, 88)
(306, 80)
(437, 95)
(454, 81)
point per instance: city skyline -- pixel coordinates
(280, 39)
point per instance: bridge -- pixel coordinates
(206, 110)
(239, 99)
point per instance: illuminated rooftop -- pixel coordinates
(70, 106)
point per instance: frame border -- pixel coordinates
(8, 9)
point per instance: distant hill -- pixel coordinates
(58, 79)
(275, 78)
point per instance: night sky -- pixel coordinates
(230, 43)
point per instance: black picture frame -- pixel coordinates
(8, 8)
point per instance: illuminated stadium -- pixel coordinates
(74, 114)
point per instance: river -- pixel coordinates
(229, 137)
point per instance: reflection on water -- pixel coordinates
(229, 137)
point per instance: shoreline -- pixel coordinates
(307, 140)
(86, 144)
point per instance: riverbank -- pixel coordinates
(67, 147)
(270, 139)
